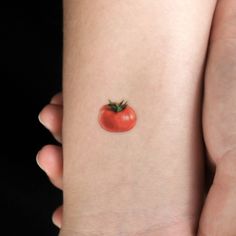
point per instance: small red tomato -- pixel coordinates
(117, 117)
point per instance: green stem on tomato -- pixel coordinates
(117, 107)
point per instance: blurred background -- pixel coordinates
(31, 74)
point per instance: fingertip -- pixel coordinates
(49, 159)
(58, 138)
(43, 117)
(38, 160)
(57, 217)
(40, 119)
(51, 118)
(56, 99)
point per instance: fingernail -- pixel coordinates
(41, 121)
(55, 220)
(58, 138)
(37, 160)
(39, 118)
(52, 101)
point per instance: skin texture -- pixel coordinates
(167, 200)
(225, 171)
(120, 184)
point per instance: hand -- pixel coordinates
(219, 123)
(220, 203)
(49, 158)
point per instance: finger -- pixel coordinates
(220, 85)
(57, 217)
(49, 159)
(57, 99)
(224, 21)
(51, 118)
(219, 211)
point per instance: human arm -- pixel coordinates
(219, 123)
(158, 49)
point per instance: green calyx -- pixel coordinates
(117, 107)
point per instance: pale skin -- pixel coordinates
(185, 201)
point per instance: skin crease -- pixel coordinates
(225, 167)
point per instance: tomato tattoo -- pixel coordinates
(117, 117)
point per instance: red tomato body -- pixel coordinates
(117, 121)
